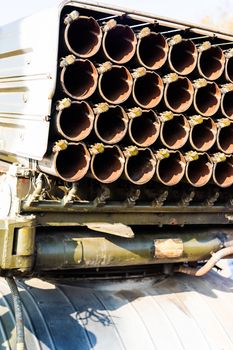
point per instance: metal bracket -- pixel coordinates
(101, 199)
(160, 199)
(17, 241)
(210, 201)
(132, 197)
(187, 198)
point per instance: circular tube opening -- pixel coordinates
(140, 169)
(225, 139)
(207, 99)
(108, 166)
(170, 171)
(119, 44)
(75, 123)
(203, 136)
(79, 80)
(223, 173)
(83, 37)
(175, 132)
(152, 51)
(148, 90)
(211, 63)
(144, 130)
(183, 57)
(227, 104)
(178, 95)
(115, 85)
(111, 126)
(72, 164)
(198, 172)
(229, 69)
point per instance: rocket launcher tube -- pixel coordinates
(203, 133)
(111, 125)
(227, 100)
(82, 35)
(119, 42)
(152, 49)
(225, 136)
(207, 97)
(178, 93)
(182, 55)
(68, 161)
(147, 88)
(107, 163)
(78, 77)
(229, 65)
(115, 84)
(144, 128)
(174, 131)
(73, 121)
(223, 170)
(199, 168)
(211, 61)
(139, 165)
(170, 167)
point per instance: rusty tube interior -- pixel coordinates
(225, 139)
(79, 80)
(174, 133)
(108, 166)
(178, 95)
(152, 51)
(148, 90)
(211, 63)
(198, 172)
(182, 57)
(111, 126)
(115, 85)
(229, 69)
(140, 169)
(144, 130)
(119, 44)
(83, 37)
(203, 136)
(207, 99)
(223, 173)
(170, 171)
(75, 122)
(72, 164)
(227, 104)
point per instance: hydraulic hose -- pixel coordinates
(222, 253)
(19, 323)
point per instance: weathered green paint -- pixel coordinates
(17, 240)
(133, 217)
(83, 249)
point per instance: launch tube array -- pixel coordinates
(140, 105)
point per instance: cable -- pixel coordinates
(19, 323)
(222, 253)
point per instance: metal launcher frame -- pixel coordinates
(115, 149)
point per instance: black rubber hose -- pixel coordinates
(19, 323)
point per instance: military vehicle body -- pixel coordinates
(115, 145)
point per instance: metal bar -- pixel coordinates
(128, 217)
(223, 44)
(199, 37)
(107, 18)
(79, 248)
(171, 31)
(54, 206)
(140, 25)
